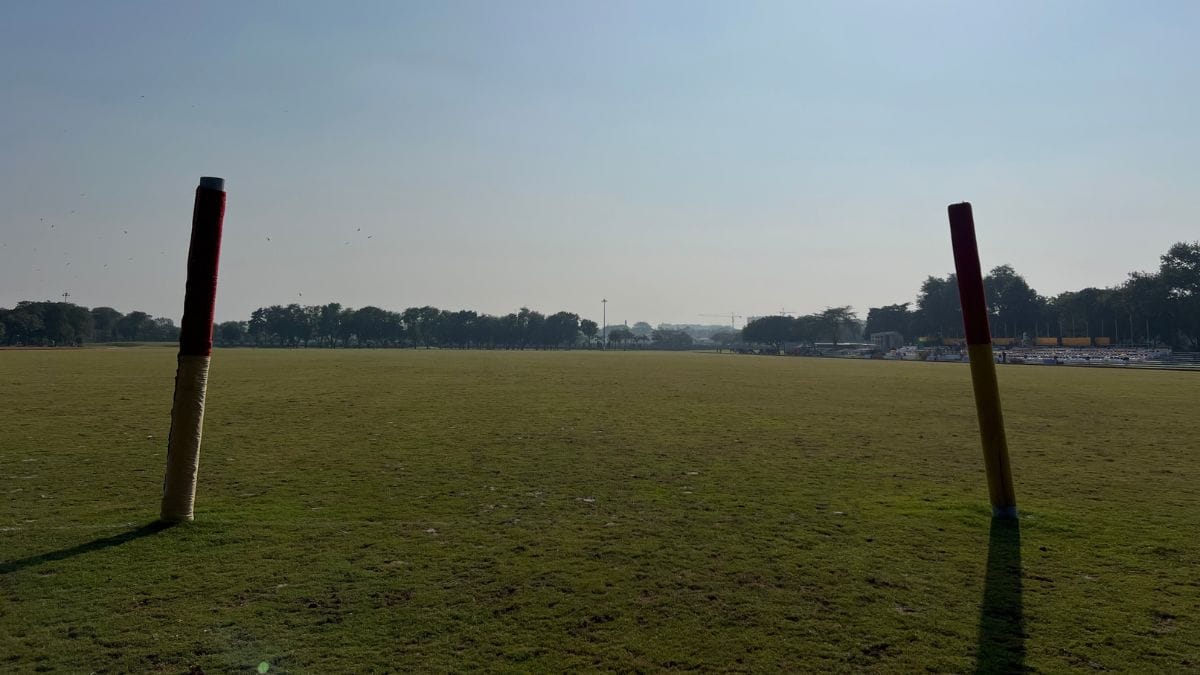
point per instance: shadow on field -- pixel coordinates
(1002, 618)
(94, 545)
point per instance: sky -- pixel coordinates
(676, 158)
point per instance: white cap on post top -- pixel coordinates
(212, 183)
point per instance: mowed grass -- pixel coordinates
(370, 510)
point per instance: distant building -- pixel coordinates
(887, 340)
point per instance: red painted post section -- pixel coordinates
(195, 350)
(970, 274)
(204, 254)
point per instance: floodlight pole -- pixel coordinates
(195, 350)
(983, 364)
(604, 320)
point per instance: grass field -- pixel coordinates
(552, 511)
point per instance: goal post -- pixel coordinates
(195, 351)
(983, 363)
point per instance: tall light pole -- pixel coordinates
(604, 320)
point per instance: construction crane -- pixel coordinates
(732, 318)
(781, 312)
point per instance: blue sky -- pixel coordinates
(678, 158)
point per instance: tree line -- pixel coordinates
(1162, 306)
(55, 324)
(834, 325)
(1159, 307)
(333, 325)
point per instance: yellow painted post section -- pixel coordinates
(991, 431)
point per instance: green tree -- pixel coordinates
(345, 326)
(938, 310)
(104, 323)
(457, 329)
(23, 324)
(560, 329)
(328, 321)
(1013, 305)
(421, 325)
(770, 330)
(1145, 304)
(834, 320)
(619, 335)
(163, 330)
(589, 328)
(806, 328)
(230, 333)
(534, 321)
(889, 318)
(135, 326)
(671, 339)
(65, 323)
(1180, 269)
(370, 325)
(1081, 313)
(642, 329)
(726, 338)
(1179, 272)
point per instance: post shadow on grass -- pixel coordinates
(1002, 618)
(94, 545)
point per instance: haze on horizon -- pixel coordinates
(678, 158)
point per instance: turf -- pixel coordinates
(559, 511)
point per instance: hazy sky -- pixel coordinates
(678, 158)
